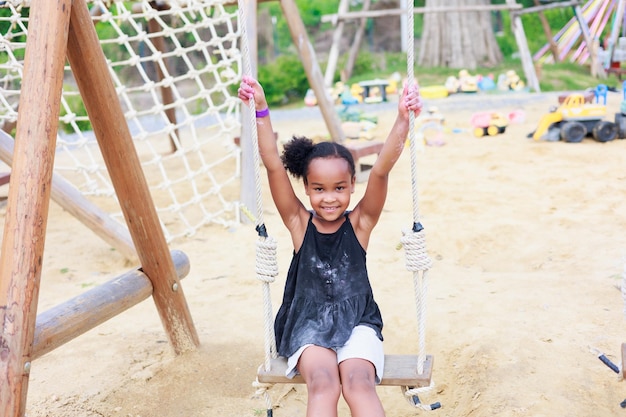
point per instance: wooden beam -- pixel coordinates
(71, 200)
(312, 69)
(356, 45)
(82, 313)
(554, 47)
(335, 18)
(94, 82)
(167, 94)
(543, 8)
(522, 45)
(615, 31)
(333, 54)
(29, 197)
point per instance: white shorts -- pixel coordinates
(362, 344)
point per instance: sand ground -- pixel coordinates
(528, 245)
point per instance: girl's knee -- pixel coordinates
(323, 382)
(358, 382)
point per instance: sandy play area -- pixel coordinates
(528, 241)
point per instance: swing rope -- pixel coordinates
(414, 241)
(266, 246)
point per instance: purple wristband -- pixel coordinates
(263, 113)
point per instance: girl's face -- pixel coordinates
(329, 187)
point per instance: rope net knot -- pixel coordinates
(414, 244)
(266, 264)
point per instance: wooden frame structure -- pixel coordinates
(512, 6)
(58, 30)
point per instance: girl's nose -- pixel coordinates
(329, 196)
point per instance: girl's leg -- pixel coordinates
(358, 379)
(318, 367)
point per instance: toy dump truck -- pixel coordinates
(489, 123)
(575, 119)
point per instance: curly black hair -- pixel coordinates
(300, 151)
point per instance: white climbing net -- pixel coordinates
(175, 66)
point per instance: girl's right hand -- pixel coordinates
(251, 89)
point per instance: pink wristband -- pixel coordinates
(263, 113)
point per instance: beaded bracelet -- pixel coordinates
(263, 113)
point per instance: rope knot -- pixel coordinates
(266, 265)
(411, 394)
(414, 244)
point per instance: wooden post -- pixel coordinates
(615, 29)
(29, 197)
(66, 321)
(312, 69)
(98, 92)
(356, 45)
(554, 48)
(597, 70)
(333, 55)
(67, 196)
(166, 91)
(522, 45)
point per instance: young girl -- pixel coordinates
(329, 326)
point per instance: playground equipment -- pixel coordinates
(172, 69)
(489, 123)
(571, 41)
(412, 372)
(573, 120)
(191, 68)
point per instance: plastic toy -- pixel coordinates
(510, 81)
(467, 83)
(310, 99)
(434, 91)
(431, 127)
(573, 120)
(489, 123)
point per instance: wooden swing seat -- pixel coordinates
(400, 370)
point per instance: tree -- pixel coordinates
(463, 40)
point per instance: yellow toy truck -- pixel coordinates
(573, 120)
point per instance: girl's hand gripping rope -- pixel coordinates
(410, 101)
(251, 89)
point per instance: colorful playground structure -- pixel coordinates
(599, 16)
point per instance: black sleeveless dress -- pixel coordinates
(327, 292)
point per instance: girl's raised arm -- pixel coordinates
(285, 199)
(371, 205)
